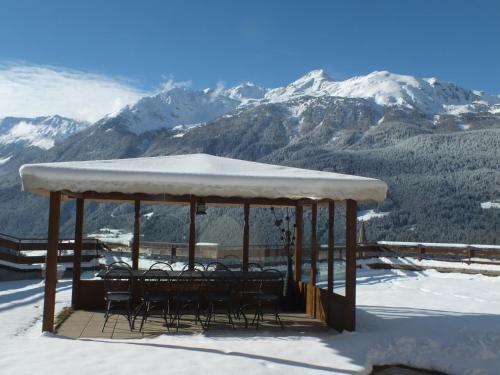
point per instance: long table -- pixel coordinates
(194, 275)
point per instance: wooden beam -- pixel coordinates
(331, 244)
(137, 233)
(77, 252)
(246, 235)
(185, 199)
(350, 278)
(192, 231)
(51, 262)
(299, 217)
(314, 244)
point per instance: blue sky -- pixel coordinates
(270, 42)
(267, 42)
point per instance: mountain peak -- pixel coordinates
(314, 76)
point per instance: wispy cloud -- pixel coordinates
(170, 84)
(29, 90)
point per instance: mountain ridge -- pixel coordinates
(439, 166)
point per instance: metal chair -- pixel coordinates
(188, 289)
(248, 287)
(153, 294)
(118, 284)
(223, 298)
(271, 295)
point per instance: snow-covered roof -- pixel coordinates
(198, 174)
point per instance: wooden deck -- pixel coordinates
(88, 324)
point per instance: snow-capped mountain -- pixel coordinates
(428, 95)
(41, 132)
(401, 129)
(181, 108)
(246, 93)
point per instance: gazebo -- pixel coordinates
(196, 179)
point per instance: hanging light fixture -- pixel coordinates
(201, 207)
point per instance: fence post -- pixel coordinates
(173, 253)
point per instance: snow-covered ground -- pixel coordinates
(490, 205)
(449, 322)
(370, 214)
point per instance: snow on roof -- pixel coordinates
(198, 174)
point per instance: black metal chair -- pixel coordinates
(248, 287)
(118, 284)
(154, 294)
(188, 294)
(224, 279)
(270, 293)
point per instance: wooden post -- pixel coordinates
(173, 253)
(350, 277)
(314, 244)
(137, 233)
(77, 252)
(299, 211)
(192, 231)
(331, 218)
(246, 235)
(51, 262)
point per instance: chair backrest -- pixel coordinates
(232, 262)
(227, 278)
(272, 282)
(253, 267)
(190, 281)
(215, 266)
(118, 279)
(161, 266)
(119, 264)
(197, 266)
(154, 279)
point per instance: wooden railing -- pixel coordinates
(478, 254)
(17, 250)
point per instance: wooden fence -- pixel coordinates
(27, 250)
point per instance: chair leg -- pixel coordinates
(229, 312)
(165, 308)
(129, 315)
(259, 315)
(106, 315)
(145, 314)
(242, 313)
(209, 316)
(136, 313)
(277, 316)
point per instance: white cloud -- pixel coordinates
(28, 90)
(170, 84)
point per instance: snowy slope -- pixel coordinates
(182, 106)
(428, 95)
(41, 132)
(447, 322)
